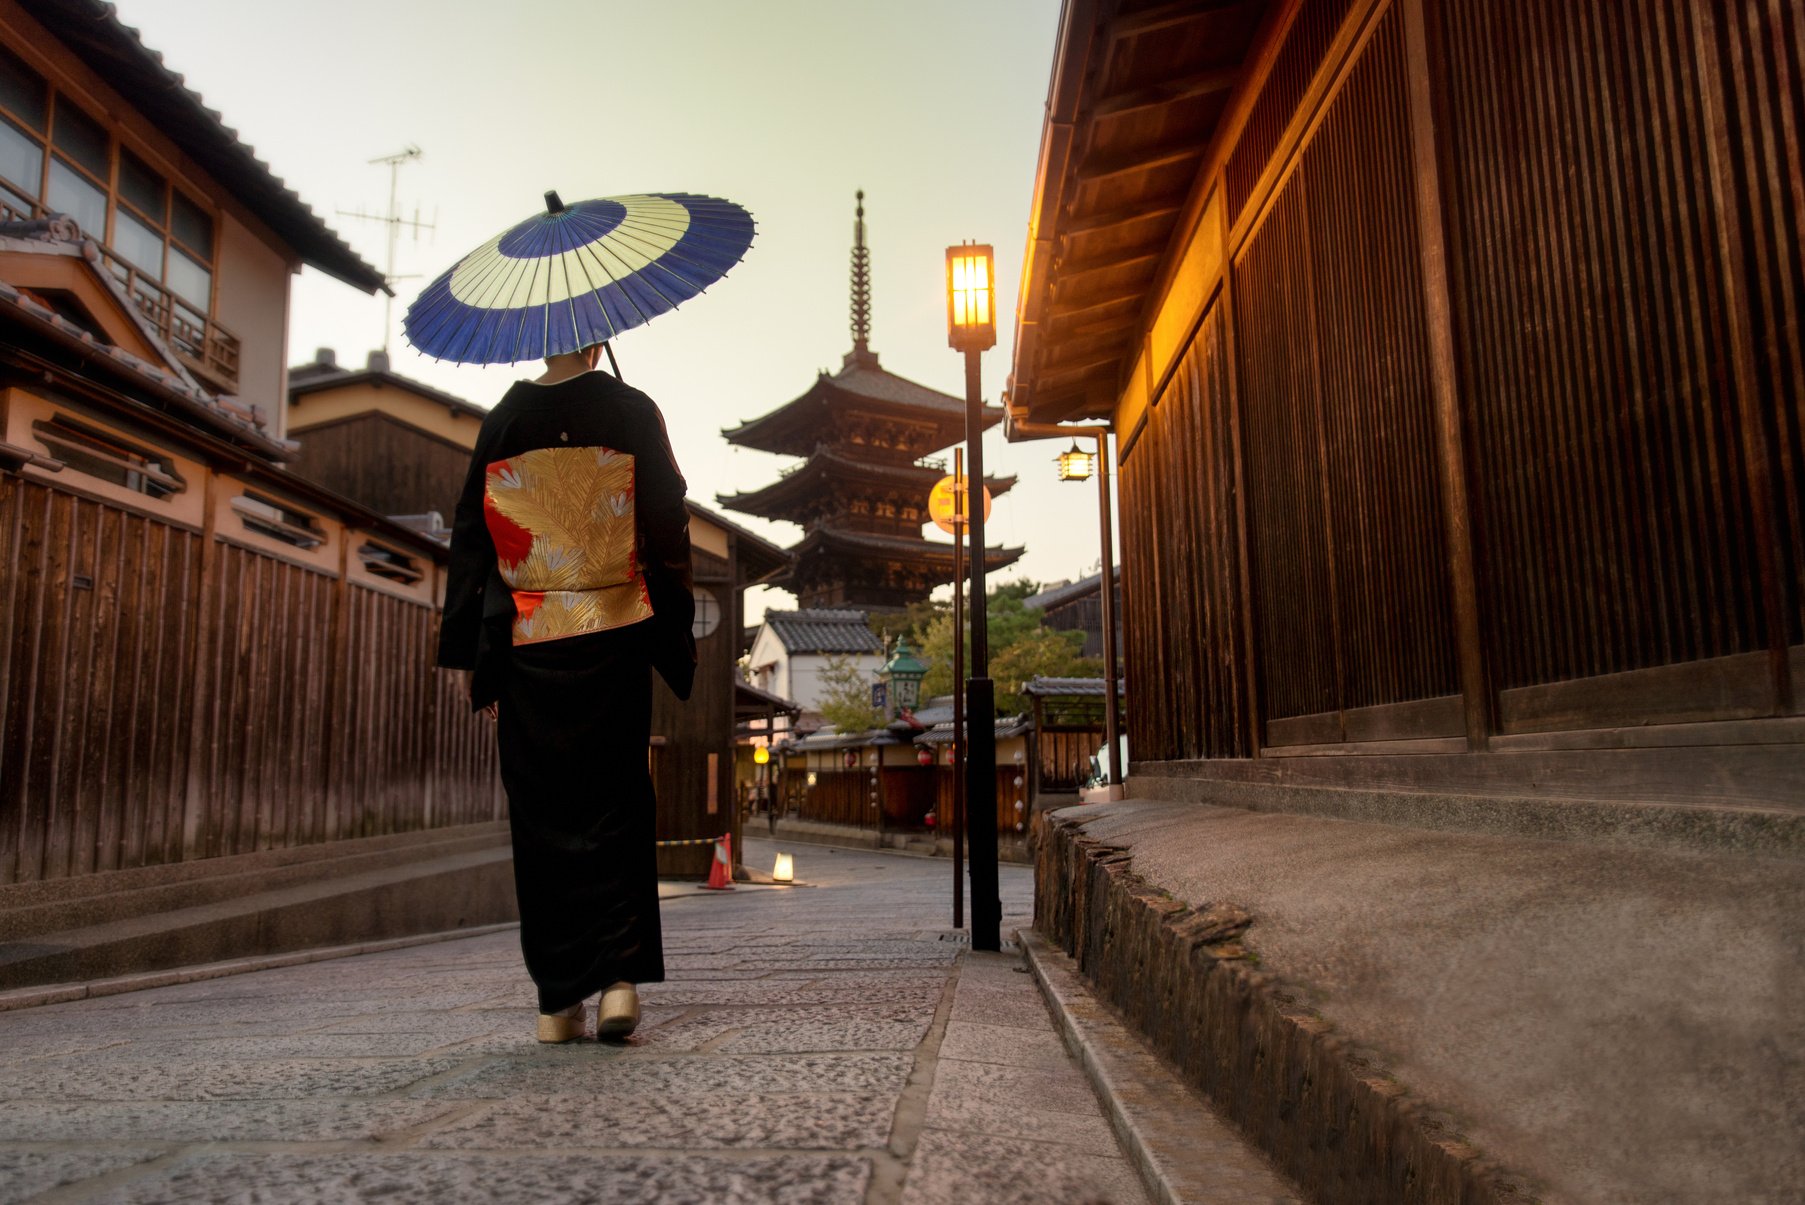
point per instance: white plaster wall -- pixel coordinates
(251, 301)
(805, 675)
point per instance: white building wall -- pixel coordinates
(798, 677)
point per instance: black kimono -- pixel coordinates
(570, 582)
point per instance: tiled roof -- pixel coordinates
(790, 428)
(1065, 687)
(1006, 726)
(313, 377)
(1053, 596)
(866, 379)
(92, 30)
(823, 631)
(169, 384)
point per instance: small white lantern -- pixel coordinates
(784, 871)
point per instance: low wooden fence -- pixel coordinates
(168, 695)
(1064, 756)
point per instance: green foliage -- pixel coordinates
(1020, 647)
(846, 695)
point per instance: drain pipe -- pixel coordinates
(1014, 429)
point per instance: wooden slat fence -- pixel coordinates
(1589, 511)
(162, 700)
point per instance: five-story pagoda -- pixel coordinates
(861, 492)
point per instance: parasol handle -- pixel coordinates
(612, 362)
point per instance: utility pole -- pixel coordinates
(394, 220)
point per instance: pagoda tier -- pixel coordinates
(861, 495)
(832, 483)
(836, 567)
(864, 406)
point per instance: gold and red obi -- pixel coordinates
(565, 541)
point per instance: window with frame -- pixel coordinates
(55, 157)
(389, 563)
(106, 457)
(278, 520)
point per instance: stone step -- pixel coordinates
(30, 909)
(463, 888)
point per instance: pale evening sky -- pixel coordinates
(933, 107)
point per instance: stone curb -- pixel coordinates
(59, 993)
(1185, 1154)
(1324, 1113)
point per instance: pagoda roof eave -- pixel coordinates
(843, 545)
(900, 547)
(791, 492)
(794, 427)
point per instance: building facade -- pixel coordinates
(396, 444)
(792, 649)
(201, 654)
(1453, 356)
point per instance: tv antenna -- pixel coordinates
(395, 221)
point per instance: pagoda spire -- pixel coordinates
(861, 284)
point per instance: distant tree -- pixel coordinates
(846, 695)
(1021, 646)
(1043, 652)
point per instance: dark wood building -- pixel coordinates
(201, 655)
(1078, 607)
(395, 444)
(861, 493)
(409, 446)
(1454, 358)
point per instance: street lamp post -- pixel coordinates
(1076, 465)
(971, 328)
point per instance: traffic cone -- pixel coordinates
(720, 873)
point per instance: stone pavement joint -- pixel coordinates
(911, 1108)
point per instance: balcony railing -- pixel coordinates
(203, 344)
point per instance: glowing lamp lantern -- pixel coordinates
(971, 318)
(1076, 464)
(905, 671)
(784, 870)
(761, 755)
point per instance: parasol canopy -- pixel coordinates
(577, 275)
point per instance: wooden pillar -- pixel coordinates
(1730, 243)
(204, 685)
(1457, 522)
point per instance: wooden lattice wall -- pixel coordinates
(163, 700)
(1492, 425)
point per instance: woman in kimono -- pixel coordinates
(569, 583)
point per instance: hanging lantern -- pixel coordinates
(1076, 464)
(924, 756)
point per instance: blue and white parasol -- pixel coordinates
(577, 275)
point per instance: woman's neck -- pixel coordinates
(564, 367)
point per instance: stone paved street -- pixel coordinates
(822, 1043)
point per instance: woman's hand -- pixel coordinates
(493, 711)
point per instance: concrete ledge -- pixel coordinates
(1186, 1155)
(1331, 1123)
(33, 997)
(1764, 831)
(430, 892)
